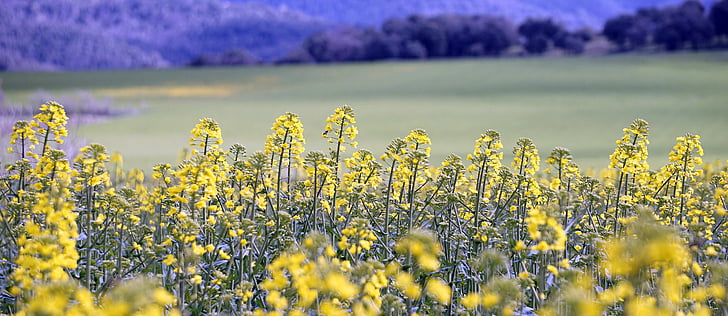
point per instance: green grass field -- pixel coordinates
(579, 103)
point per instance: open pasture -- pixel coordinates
(579, 103)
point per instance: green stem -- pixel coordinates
(278, 180)
(482, 176)
(315, 194)
(386, 203)
(89, 230)
(47, 133)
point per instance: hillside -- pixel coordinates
(573, 13)
(113, 34)
(126, 34)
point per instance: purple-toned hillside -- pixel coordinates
(120, 34)
(573, 13)
(127, 34)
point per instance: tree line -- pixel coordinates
(685, 26)
(419, 37)
(688, 25)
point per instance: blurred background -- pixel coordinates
(137, 75)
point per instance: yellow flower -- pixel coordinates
(545, 230)
(277, 301)
(198, 250)
(717, 291)
(50, 246)
(564, 263)
(438, 290)
(520, 246)
(163, 297)
(552, 269)
(630, 156)
(423, 246)
(541, 246)
(428, 262)
(405, 283)
(339, 126)
(223, 254)
(329, 308)
(490, 299)
(526, 158)
(340, 285)
(206, 135)
(471, 300)
(697, 269)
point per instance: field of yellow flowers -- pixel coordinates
(351, 232)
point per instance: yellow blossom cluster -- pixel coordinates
(287, 140)
(545, 231)
(499, 296)
(23, 136)
(206, 135)
(311, 278)
(50, 123)
(340, 128)
(48, 246)
(364, 172)
(526, 162)
(423, 246)
(653, 254)
(357, 237)
(137, 297)
(525, 157)
(485, 163)
(567, 172)
(223, 231)
(630, 156)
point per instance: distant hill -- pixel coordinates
(111, 34)
(574, 13)
(123, 34)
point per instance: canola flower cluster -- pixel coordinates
(283, 231)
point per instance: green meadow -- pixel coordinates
(581, 103)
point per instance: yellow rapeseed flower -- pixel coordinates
(438, 290)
